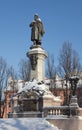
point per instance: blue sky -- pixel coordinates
(62, 20)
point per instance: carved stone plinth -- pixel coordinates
(37, 57)
(73, 101)
(74, 106)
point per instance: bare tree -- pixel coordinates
(76, 62)
(3, 67)
(65, 59)
(50, 72)
(68, 62)
(24, 69)
(10, 72)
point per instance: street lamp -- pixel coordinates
(73, 81)
(73, 102)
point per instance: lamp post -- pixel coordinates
(66, 91)
(73, 102)
(73, 81)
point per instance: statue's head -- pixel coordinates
(36, 16)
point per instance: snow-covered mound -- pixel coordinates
(37, 86)
(26, 124)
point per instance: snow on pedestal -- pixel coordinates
(43, 91)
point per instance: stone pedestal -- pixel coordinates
(74, 106)
(50, 101)
(73, 101)
(37, 57)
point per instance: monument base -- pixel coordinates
(37, 56)
(74, 106)
(73, 101)
(33, 98)
(26, 114)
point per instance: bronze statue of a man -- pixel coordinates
(37, 30)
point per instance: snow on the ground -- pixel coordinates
(26, 124)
